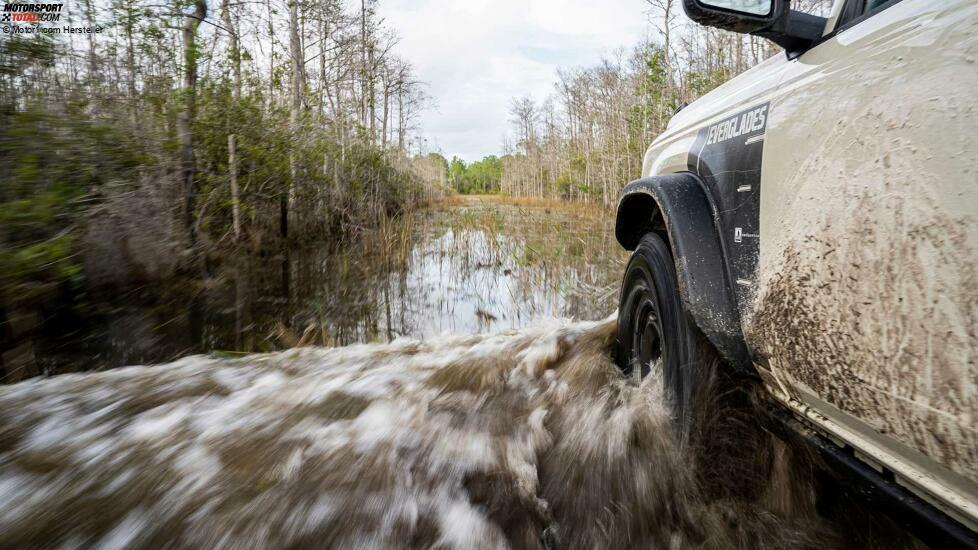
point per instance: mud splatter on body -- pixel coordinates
(871, 302)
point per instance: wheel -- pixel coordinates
(655, 334)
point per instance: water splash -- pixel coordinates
(527, 439)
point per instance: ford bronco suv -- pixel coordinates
(816, 220)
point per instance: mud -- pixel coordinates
(529, 439)
(872, 306)
(869, 240)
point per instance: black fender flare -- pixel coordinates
(677, 207)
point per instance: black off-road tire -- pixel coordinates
(716, 415)
(654, 329)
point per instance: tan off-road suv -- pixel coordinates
(816, 220)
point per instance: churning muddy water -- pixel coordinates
(521, 439)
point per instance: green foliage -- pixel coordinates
(456, 173)
(56, 167)
(30, 270)
(565, 185)
(440, 160)
(329, 177)
(702, 81)
(482, 176)
(17, 53)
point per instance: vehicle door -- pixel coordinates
(866, 306)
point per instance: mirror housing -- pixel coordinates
(792, 30)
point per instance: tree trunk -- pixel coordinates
(235, 199)
(234, 55)
(185, 119)
(372, 95)
(667, 48)
(387, 98)
(401, 121)
(90, 14)
(131, 66)
(363, 63)
(295, 51)
(271, 61)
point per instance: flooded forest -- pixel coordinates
(464, 265)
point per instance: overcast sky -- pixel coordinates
(477, 54)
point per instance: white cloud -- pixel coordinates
(477, 54)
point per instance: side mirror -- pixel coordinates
(772, 19)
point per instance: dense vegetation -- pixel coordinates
(176, 135)
(482, 176)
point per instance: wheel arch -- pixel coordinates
(677, 207)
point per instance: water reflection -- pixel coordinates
(461, 268)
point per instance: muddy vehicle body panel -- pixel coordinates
(844, 187)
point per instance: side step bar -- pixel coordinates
(863, 483)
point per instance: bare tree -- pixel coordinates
(586, 141)
(666, 9)
(185, 119)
